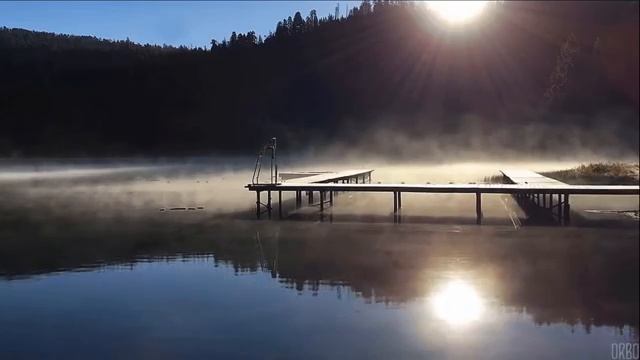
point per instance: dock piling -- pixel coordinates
(478, 208)
(258, 204)
(566, 210)
(395, 202)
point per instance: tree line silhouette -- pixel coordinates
(384, 66)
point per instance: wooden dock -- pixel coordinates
(524, 185)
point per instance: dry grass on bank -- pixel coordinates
(610, 173)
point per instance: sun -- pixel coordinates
(456, 11)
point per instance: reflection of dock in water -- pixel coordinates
(538, 195)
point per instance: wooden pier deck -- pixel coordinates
(524, 185)
(453, 188)
(300, 174)
(357, 176)
(525, 177)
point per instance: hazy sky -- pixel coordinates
(170, 22)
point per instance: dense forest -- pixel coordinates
(525, 76)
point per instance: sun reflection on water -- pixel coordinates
(457, 303)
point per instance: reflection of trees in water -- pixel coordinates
(585, 277)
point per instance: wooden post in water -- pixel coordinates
(478, 208)
(331, 197)
(280, 204)
(269, 203)
(560, 217)
(258, 204)
(321, 200)
(395, 202)
(567, 210)
(399, 200)
(310, 197)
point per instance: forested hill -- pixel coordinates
(386, 71)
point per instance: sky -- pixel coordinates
(167, 22)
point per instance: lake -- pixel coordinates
(93, 265)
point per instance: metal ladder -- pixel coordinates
(273, 178)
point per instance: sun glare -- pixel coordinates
(456, 11)
(457, 303)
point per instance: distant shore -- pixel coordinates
(600, 173)
(611, 173)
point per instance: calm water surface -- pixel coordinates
(91, 268)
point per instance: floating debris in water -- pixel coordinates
(182, 208)
(634, 214)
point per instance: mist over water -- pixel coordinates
(139, 187)
(96, 245)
